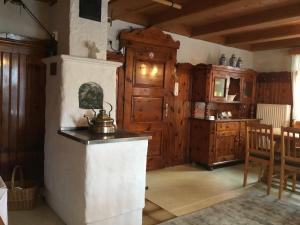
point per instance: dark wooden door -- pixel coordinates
(147, 99)
(22, 103)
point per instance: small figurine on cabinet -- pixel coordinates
(232, 61)
(239, 63)
(92, 49)
(222, 60)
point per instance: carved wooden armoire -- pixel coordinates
(146, 100)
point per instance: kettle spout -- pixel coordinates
(88, 120)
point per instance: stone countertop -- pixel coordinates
(83, 136)
(226, 120)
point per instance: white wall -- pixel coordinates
(197, 51)
(82, 30)
(115, 28)
(62, 104)
(191, 50)
(272, 60)
(17, 21)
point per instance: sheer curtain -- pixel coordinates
(296, 86)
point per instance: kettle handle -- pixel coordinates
(111, 108)
(95, 113)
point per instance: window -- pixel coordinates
(296, 86)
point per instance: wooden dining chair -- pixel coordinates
(289, 156)
(260, 150)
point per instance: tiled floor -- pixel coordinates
(168, 184)
(43, 215)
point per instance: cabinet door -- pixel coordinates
(226, 146)
(248, 89)
(219, 87)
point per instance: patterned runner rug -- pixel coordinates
(253, 208)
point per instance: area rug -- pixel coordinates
(185, 189)
(252, 208)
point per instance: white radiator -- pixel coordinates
(276, 115)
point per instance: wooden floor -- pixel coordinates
(153, 214)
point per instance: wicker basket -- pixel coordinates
(21, 194)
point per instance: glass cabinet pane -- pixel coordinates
(220, 87)
(248, 88)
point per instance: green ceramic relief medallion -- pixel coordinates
(90, 96)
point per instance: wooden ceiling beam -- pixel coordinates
(270, 17)
(129, 11)
(264, 35)
(288, 43)
(50, 2)
(191, 8)
(122, 10)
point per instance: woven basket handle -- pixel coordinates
(16, 168)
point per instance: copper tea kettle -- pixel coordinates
(101, 123)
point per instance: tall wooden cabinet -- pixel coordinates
(212, 83)
(214, 142)
(146, 102)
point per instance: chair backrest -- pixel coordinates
(259, 140)
(290, 145)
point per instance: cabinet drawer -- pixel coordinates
(227, 126)
(227, 133)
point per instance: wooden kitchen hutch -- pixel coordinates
(220, 141)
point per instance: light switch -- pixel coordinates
(176, 89)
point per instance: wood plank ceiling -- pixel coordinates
(50, 2)
(246, 24)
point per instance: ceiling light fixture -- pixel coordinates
(169, 3)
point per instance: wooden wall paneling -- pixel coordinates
(120, 79)
(35, 115)
(1, 109)
(199, 83)
(182, 113)
(5, 113)
(22, 94)
(14, 99)
(274, 88)
(120, 97)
